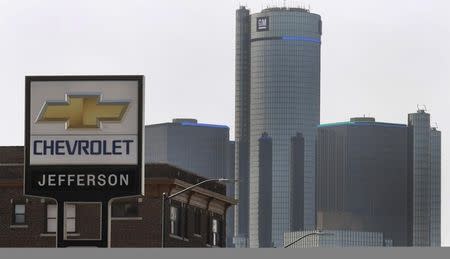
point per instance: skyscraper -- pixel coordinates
(435, 181)
(419, 178)
(278, 92)
(362, 178)
(242, 126)
(424, 172)
(381, 177)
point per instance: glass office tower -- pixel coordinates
(278, 92)
(419, 178)
(362, 178)
(435, 181)
(185, 143)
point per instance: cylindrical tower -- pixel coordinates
(284, 99)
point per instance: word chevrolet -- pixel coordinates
(82, 147)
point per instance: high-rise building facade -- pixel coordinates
(265, 197)
(242, 126)
(297, 178)
(435, 182)
(278, 92)
(419, 141)
(185, 143)
(381, 177)
(362, 178)
(424, 172)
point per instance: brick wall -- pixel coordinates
(141, 231)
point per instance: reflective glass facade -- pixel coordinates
(297, 176)
(284, 100)
(362, 178)
(196, 147)
(242, 126)
(265, 197)
(419, 173)
(435, 186)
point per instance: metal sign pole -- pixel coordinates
(60, 226)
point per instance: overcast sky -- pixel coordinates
(379, 58)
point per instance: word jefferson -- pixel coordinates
(81, 180)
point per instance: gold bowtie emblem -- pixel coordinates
(82, 111)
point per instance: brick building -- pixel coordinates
(194, 219)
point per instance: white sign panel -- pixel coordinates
(83, 122)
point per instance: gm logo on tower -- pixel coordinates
(84, 137)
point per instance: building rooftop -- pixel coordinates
(361, 121)
(203, 125)
(181, 120)
(290, 9)
(163, 170)
(191, 123)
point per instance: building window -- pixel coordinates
(197, 221)
(185, 220)
(125, 209)
(52, 221)
(175, 220)
(19, 214)
(216, 232)
(70, 217)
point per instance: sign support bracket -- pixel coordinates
(103, 241)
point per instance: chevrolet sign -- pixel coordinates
(83, 138)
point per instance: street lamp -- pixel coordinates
(319, 233)
(165, 197)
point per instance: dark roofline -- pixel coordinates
(368, 123)
(164, 170)
(189, 124)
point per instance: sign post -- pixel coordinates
(83, 143)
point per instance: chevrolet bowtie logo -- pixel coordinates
(82, 111)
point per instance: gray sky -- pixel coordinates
(379, 58)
